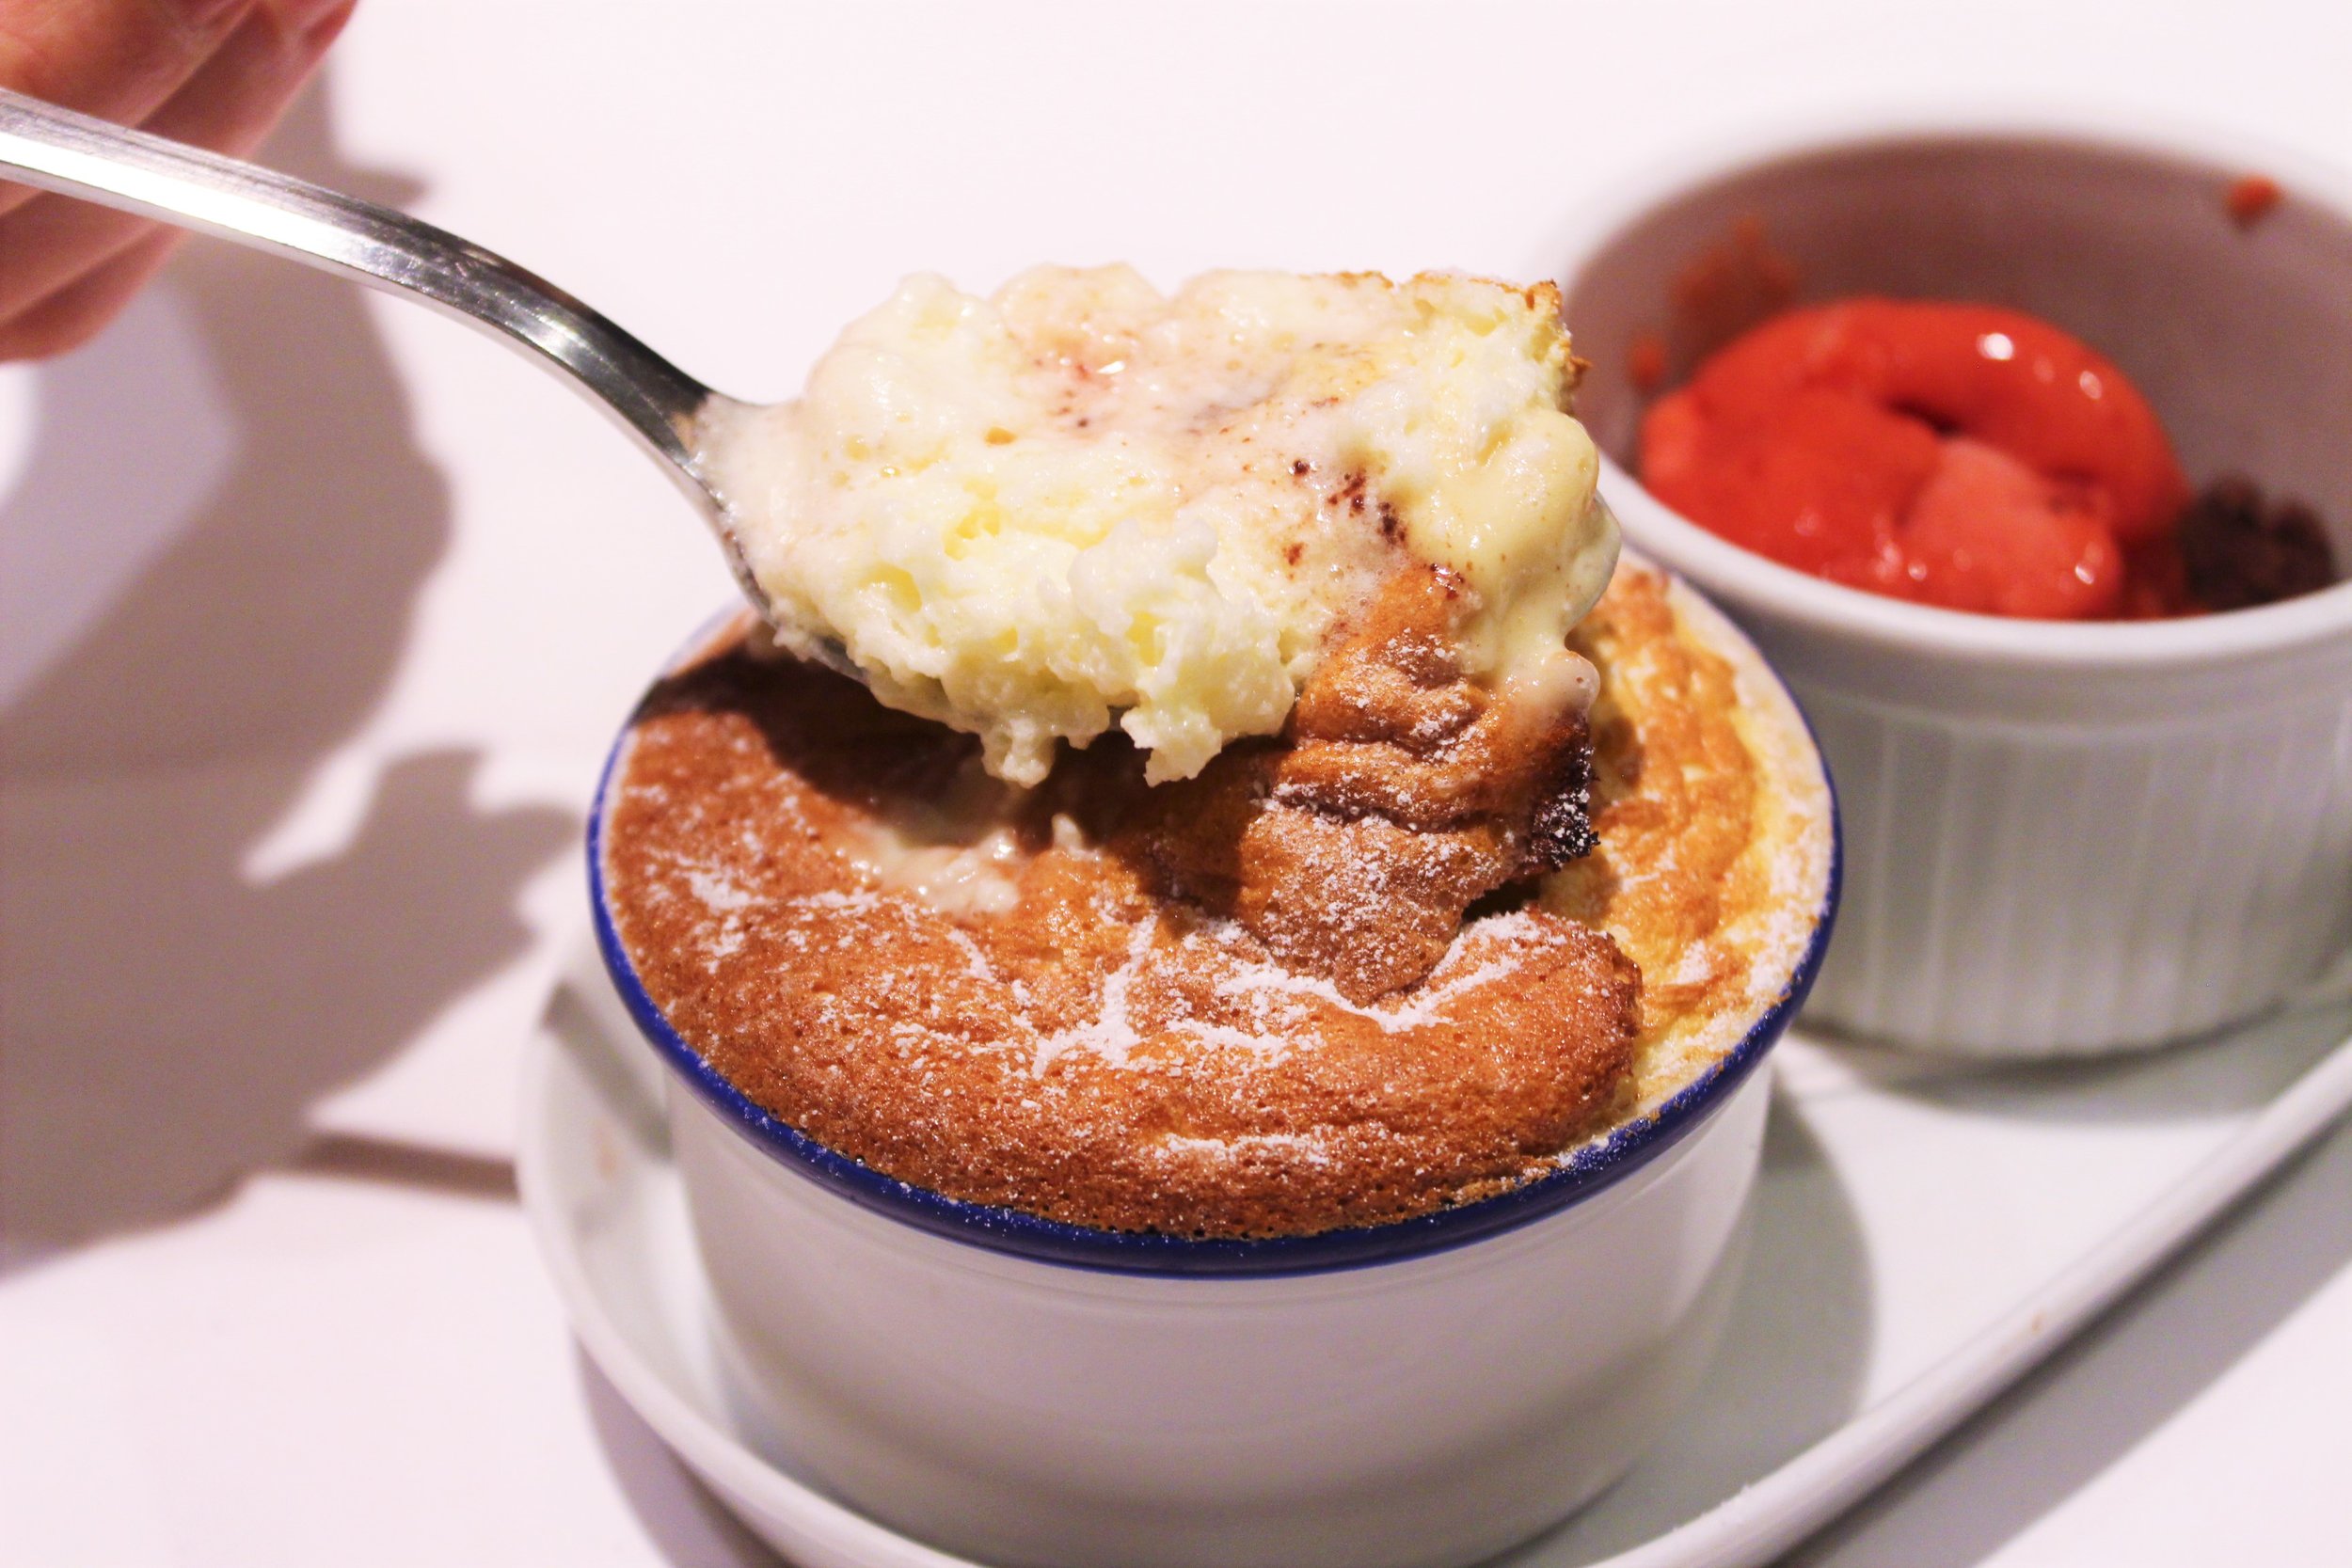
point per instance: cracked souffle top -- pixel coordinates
(1221, 1007)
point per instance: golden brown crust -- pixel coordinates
(1713, 820)
(1673, 795)
(1100, 1054)
(1107, 1053)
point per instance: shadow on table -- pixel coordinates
(168, 1013)
(684, 1520)
(2102, 1395)
(1790, 1372)
(364, 1158)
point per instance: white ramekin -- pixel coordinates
(2064, 838)
(1411, 1395)
(1431, 1410)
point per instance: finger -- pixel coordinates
(72, 316)
(230, 105)
(242, 91)
(117, 59)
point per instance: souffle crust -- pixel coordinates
(1407, 954)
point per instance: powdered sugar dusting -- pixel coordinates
(719, 892)
(1308, 1147)
(1425, 1005)
(1111, 1035)
(976, 962)
(853, 903)
(1267, 1045)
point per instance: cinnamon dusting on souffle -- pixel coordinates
(1400, 794)
(1304, 991)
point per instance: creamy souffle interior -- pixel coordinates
(1083, 500)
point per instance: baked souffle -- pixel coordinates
(1288, 850)
(1012, 1001)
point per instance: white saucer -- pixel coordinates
(1925, 1232)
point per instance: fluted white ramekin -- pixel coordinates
(2063, 838)
(1412, 1395)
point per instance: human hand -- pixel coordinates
(216, 73)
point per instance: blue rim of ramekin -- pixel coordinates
(1581, 1174)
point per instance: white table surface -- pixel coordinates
(316, 612)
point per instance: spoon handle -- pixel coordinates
(60, 150)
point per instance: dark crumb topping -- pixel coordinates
(2241, 550)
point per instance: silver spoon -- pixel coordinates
(73, 154)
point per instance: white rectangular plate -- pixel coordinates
(1924, 1232)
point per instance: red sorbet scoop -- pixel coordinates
(1961, 455)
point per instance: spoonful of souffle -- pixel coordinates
(1077, 504)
